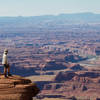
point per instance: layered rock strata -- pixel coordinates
(17, 88)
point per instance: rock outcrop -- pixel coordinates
(77, 67)
(84, 85)
(53, 65)
(17, 88)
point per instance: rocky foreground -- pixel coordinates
(17, 88)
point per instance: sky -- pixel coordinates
(47, 7)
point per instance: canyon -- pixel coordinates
(61, 54)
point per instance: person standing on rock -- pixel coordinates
(5, 63)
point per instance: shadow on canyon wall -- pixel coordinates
(20, 71)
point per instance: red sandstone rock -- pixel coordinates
(17, 88)
(82, 84)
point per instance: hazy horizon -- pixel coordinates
(47, 7)
(54, 14)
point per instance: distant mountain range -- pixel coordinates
(69, 17)
(47, 21)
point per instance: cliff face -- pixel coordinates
(17, 88)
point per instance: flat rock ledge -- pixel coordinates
(17, 88)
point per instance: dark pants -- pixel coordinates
(6, 69)
(6, 65)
